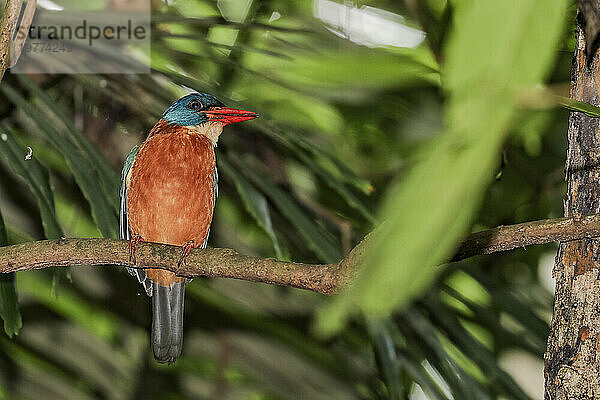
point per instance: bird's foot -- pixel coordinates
(185, 250)
(133, 242)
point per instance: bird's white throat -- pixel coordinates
(212, 130)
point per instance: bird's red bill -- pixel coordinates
(229, 115)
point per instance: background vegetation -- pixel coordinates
(452, 136)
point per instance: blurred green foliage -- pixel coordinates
(348, 131)
(428, 211)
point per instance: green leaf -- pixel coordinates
(3, 233)
(9, 300)
(421, 334)
(317, 241)
(36, 177)
(413, 366)
(95, 319)
(9, 304)
(255, 203)
(328, 72)
(49, 379)
(304, 148)
(429, 211)
(476, 351)
(581, 106)
(109, 178)
(83, 170)
(336, 184)
(266, 325)
(386, 354)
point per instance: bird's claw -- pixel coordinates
(133, 242)
(185, 250)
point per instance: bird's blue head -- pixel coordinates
(198, 108)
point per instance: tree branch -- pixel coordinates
(7, 29)
(215, 263)
(19, 41)
(226, 263)
(510, 237)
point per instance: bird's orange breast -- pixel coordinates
(170, 194)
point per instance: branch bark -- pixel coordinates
(572, 358)
(511, 237)
(7, 29)
(216, 263)
(226, 263)
(19, 41)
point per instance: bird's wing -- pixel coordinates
(124, 232)
(123, 222)
(216, 185)
(215, 195)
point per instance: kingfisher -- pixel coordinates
(168, 194)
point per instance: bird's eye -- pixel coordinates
(195, 105)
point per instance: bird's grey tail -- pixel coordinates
(167, 321)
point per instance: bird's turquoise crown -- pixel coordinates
(187, 111)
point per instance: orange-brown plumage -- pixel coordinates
(170, 195)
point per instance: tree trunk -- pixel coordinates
(572, 359)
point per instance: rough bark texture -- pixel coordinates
(7, 27)
(226, 263)
(503, 238)
(572, 359)
(590, 14)
(216, 263)
(24, 26)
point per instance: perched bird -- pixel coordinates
(168, 194)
